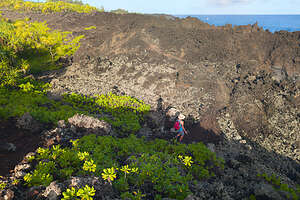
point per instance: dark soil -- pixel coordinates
(196, 133)
(24, 141)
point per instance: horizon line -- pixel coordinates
(217, 14)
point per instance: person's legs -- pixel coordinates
(181, 136)
(179, 133)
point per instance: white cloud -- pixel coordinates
(229, 2)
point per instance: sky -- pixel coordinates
(177, 7)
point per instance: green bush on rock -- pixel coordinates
(85, 193)
(15, 103)
(132, 166)
(48, 7)
(31, 97)
(31, 47)
(126, 112)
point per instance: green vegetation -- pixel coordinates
(127, 164)
(290, 193)
(2, 185)
(120, 11)
(31, 47)
(252, 197)
(49, 6)
(67, 1)
(90, 28)
(85, 193)
(124, 111)
(14, 103)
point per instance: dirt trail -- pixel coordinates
(24, 141)
(196, 133)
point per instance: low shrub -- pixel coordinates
(85, 193)
(49, 6)
(31, 47)
(131, 165)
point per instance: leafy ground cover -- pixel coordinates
(126, 113)
(31, 48)
(131, 165)
(48, 7)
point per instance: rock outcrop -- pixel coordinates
(89, 124)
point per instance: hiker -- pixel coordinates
(179, 127)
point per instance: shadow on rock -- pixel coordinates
(244, 159)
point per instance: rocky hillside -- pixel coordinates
(240, 83)
(247, 72)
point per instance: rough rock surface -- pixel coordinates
(242, 83)
(53, 191)
(28, 123)
(90, 124)
(78, 126)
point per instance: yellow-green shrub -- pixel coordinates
(31, 47)
(47, 7)
(130, 164)
(126, 112)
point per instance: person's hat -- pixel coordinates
(181, 116)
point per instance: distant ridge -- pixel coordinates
(273, 23)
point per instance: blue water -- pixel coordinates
(271, 22)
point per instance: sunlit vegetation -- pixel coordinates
(127, 164)
(125, 112)
(67, 1)
(31, 47)
(2, 185)
(85, 193)
(90, 28)
(49, 6)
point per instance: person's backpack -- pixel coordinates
(177, 125)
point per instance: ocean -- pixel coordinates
(273, 23)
